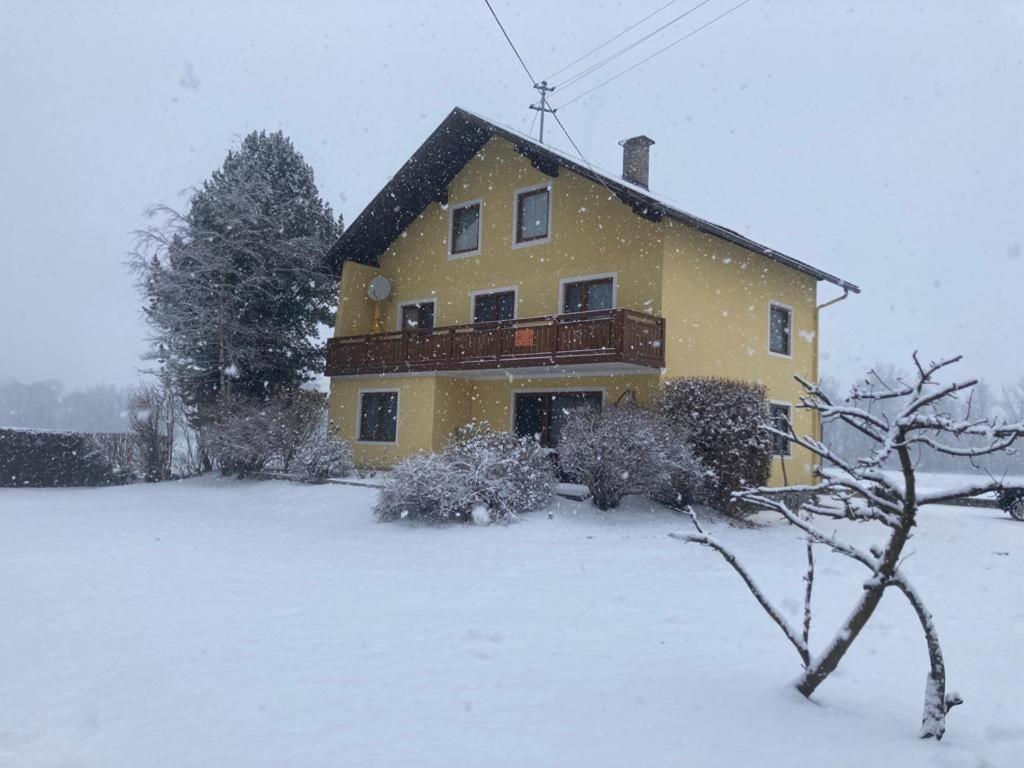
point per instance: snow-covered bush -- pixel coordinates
(724, 422)
(416, 489)
(324, 455)
(251, 433)
(627, 450)
(242, 438)
(481, 475)
(150, 421)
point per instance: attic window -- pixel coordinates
(464, 238)
(780, 333)
(533, 215)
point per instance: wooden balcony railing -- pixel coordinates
(578, 338)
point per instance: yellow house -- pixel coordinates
(496, 279)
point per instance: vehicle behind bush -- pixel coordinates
(723, 421)
(481, 475)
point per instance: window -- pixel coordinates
(378, 417)
(588, 295)
(416, 315)
(779, 414)
(465, 234)
(533, 208)
(780, 324)
(541, 415)
(489, 307)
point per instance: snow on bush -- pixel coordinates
(628, 450)
(724, 421)
(480, 476)
(324, 455)
(252, 433)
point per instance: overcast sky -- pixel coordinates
(880, 140)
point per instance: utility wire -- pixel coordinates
(579, 76)
(501, 26)
(598, 175)
(612, 39)
(661, 50)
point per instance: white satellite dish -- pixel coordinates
(379, 288)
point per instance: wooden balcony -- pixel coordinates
(618, 336)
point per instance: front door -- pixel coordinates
(541, 415)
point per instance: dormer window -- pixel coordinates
(464, 237)
(533, 215)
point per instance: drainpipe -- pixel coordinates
(846, 294)
(817, 334)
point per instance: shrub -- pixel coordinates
(148, 412)
(324, 455)
(241, 438)
(250, 433)
(480, 475)
(628, 450)
(43, 459)
(723, 420)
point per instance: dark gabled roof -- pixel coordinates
(426, 175)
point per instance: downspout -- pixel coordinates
(817, 335)
(830, 302)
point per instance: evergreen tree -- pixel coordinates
(236, 288)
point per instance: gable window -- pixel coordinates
(378, 416)
(464, 238)
(416, 315)
(780, 329)
(491, 307)
(533, 215)
(779, 415)
(588, 295)
(541, 415)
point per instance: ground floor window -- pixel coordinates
(541, 415)
(779, 413)
(378, 417)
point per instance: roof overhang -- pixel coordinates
(425, 177)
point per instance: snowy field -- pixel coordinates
(255, 624)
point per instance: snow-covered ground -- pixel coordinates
(224, 623)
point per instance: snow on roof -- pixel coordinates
(456, 140)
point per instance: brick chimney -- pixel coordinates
(636, 160)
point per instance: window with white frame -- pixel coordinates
(779, 413)
(378, 416)
(418, 315)
(464, 238)
(780, 329)
(533, 214)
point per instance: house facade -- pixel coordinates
(495, 279)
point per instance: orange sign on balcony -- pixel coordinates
(524, 337)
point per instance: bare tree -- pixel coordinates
(151, 418)
(919, 412)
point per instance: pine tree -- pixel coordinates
(236, 288)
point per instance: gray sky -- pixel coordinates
(878, 140)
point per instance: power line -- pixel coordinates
(613, 39)
(597, 174)
(501, 26)
(631, 46)
(661, 50)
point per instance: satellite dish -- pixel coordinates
(379, 288)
